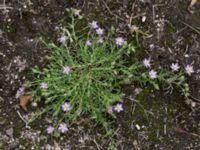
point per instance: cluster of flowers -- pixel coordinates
(66, 106)
(119, 41)
(189, 69)
(63, 128)
(99, 31)
(94, 25)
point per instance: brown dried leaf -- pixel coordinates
(193, 2)
(24, 102)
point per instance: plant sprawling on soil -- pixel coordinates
(129, 68)
(86, 70)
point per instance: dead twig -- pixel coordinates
(5, 7)
(25, 121)
(191, 27)
(97, 145)
(195, 99)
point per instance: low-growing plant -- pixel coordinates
(85, 71)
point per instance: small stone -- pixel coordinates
(144, 18)
(137, 127)
(193, 104)
(186, 55)
(151, 46)
(34, 104)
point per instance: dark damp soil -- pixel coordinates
(167, 32)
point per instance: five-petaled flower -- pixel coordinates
(44, 85)
(63, 128)
(175, 66)
(63, 39)
(66, 70)
(88, 43)
(189, 69)
(118, 108)
(153, 74)
(66, 107)
(99, 31)
(120, 41)
(50, 129)
(94, 25)
(146, 62)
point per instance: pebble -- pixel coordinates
(144, 18)
(186, 55)
(34, 104)
(137, 127)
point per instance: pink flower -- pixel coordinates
(146, 63)
(63, 128)
(93, 25)
(62, 39)
(99, 31)
(20, 92)
(189, 69)
(50, 129)
(153, 74)
(88, 43)
(66, 107)
(66, 70)
(175, 66)
(120, 41)
(118, 108)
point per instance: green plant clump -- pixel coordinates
(84, 75)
